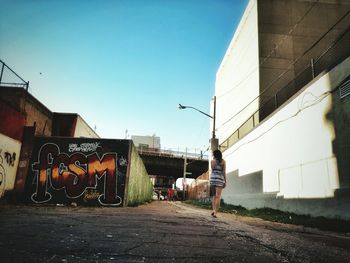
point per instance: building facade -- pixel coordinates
(283, 110)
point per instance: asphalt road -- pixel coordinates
(157, 232)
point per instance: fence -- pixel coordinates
(172, 153)
(14, 80)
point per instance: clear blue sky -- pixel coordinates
(123, 65)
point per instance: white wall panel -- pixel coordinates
(293, 147)
(237, 80)
(9, 156)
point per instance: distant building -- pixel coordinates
(35, 113)
(146, 142)
(282, 107)
(21, 109)
(151, 144)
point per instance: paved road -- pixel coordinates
(157, 232)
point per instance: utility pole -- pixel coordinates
(184, 177)
(214, 142)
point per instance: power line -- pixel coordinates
(315, 102)
(272, 51)
(295, 61)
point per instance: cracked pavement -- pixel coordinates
(157, 232)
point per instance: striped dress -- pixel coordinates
(217, 177)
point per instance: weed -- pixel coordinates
(337, 225)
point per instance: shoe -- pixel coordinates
(213, 214)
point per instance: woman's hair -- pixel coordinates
(217, 155)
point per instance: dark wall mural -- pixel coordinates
(67, 170)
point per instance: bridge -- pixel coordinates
(170, 164)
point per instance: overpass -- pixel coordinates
(171, 164)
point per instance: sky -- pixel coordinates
(123, 65)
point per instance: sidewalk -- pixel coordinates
(157, 232)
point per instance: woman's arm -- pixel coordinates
(224, 171)
(212, 164)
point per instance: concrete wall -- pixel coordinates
(293, 149)
(82, 129)
(12, 121)
(85, 171)
(340, 117)
(71, 125)
(34, 111)
(63, 124)
(9, 155)
(237, 79)
(38, 115)
(139, 186)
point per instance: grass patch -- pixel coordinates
(337, 225)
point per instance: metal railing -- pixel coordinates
(171, 153)
(331, 56)
(21, 82)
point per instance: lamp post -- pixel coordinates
(214, 142)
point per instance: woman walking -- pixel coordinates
(217, 180)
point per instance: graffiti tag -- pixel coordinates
(74, 173)
(123, 162)
(84, 147)
(91, 195)
(2, 176)
(10, 159)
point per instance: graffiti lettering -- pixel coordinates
(10, 159)
(84, 147)
(75, 173)
(2, 176)
(90, 195)
(2, 180)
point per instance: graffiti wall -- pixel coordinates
(9, 153)
(199, 188)
(79, 170)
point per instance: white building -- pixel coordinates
(283, 110)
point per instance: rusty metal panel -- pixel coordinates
(11, 121)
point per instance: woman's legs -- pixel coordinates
(216, 200)
(213, 200)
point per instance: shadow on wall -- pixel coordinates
(237, 185)
(248, 184)
(339, 116)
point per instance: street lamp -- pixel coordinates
(214, 142)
